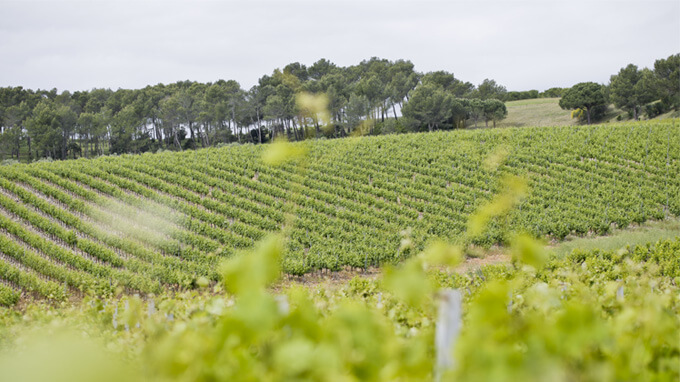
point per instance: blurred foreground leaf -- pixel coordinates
(440, 253)
(255, 269)
(513, 190)
(64, 356)
(529, 251)
(282, 151)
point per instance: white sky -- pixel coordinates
(79, 45)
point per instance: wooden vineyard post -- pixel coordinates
(151, 308)
(115, 318)
(447, 329)
(127, 309)
(619, 293)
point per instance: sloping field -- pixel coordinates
(547, 112)
(144, 222)
(537, 112)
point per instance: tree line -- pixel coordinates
(378, 95)
(651, 92)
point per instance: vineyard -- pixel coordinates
(590, 316)
(166, 220)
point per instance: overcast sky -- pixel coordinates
(79, 45)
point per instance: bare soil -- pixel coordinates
(342, 277)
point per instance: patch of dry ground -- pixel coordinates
(342, 277)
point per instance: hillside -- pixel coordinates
(547, 112)
(537, 112)
(148, 221)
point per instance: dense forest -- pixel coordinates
(378, 96)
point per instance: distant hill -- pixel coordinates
(537, 112)
(547, 112)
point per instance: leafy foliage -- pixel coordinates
(586, 96)
(589, 316)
